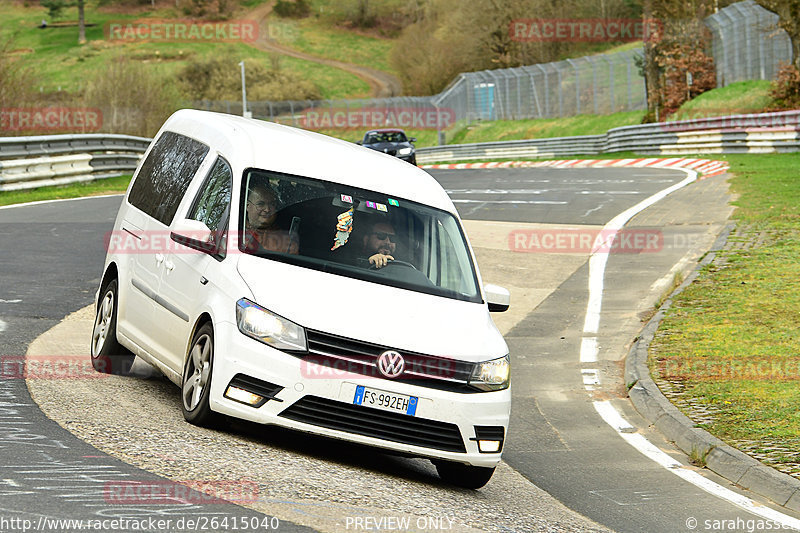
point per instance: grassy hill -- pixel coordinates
(62, 65)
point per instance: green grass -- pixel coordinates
(739, 97)
(732, 338)
(508, 130)
(315, 36)
(73, 190)
(63, 65)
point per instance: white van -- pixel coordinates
(284, 277)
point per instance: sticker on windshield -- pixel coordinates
(394, 202)
(371, 204)
(347, 199)
(380, 207)
(343, 228)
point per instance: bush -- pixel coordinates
(785, 90)
(16, 81)
(678, 61)
(134, 99)
(219, 78)
(292, 8)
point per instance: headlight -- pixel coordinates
(405, 151)
(491, 375)
(269, 328)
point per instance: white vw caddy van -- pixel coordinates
(288, 278)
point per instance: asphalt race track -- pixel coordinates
(558, 441)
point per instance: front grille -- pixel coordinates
(345, 355)
(372, 422)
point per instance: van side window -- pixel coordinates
(165, 175)
(213, 202)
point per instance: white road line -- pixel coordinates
(3, 326)
(9, 301)
(590, 377)
(612, 417)
(597, 266)
(589, 350)
(549, 202)
(39, 202)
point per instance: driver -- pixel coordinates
(263, 231)
(379, 244)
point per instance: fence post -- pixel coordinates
(577, 87)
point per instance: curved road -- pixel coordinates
(557, 440)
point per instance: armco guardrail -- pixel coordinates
(28, 162)
(755, 133)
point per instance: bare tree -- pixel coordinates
(788, 12)
(81, 23)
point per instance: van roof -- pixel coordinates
(252, 143)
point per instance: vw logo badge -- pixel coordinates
(391, 364)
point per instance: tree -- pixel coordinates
(652, 77)
(677, 47)
(81, 23)
(56, 7)
(788, 12)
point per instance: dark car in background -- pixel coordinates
(391, 141)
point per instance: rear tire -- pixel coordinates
(465, 476)
(196, 382)
(108, 355)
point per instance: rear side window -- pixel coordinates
(165, 175)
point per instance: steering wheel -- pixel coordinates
(400, 263)
(365, 262)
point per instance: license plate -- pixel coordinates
(387, 401)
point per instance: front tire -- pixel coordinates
(196, 382)
(465, 476)
(108, 355)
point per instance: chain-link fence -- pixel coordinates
(599, 84)
(747, 43)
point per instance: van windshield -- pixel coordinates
(355, 233)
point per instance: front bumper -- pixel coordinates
(316, 399)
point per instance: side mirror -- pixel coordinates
(412, 139)
(194, 234)
(497, 297)
(358, 143)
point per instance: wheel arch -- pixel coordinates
(204, 318)
(111, 273)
